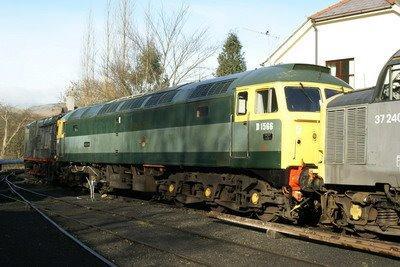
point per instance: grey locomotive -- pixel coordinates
(362, 156)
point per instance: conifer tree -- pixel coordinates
(149, 71)
(231, 59)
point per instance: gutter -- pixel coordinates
(349, 14)
(316, 41)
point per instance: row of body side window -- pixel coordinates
(266, 101)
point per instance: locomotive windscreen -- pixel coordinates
(303, 99)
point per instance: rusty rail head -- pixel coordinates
(373, 246)
(10, 162)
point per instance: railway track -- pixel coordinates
(373, 246)
(149, 222)
(4, 178)
(41, 207)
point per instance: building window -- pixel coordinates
(343, 69)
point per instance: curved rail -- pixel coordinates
(62, 230)
(13, 187)
(193, 233)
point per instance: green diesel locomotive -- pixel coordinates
(250, 142)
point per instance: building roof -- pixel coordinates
(344, 8)
(352, 7)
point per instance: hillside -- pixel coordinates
(47, 110)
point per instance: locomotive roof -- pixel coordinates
(397, 54)
(45, 121)
(353, 98)
(211, 88)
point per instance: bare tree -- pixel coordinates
(89, 53)
(137, 61)
(11, 126)
(108, 41)
(121, 67)
(183, 52)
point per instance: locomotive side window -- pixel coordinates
(302, 99)
(202, 111)
(242, 103)
(75, 128)
(330, 92)
(391, 88)
(266, 101)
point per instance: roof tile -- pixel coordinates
(351, 7)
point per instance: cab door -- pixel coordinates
(60, 138)
(240, 126)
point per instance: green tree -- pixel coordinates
(149, 70)
(231, 59)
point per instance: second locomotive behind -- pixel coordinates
(362, 159)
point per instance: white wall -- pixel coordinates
(370, 40)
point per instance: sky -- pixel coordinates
(41, 40)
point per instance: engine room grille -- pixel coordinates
(334, 136)
(356, 135)
(346, 136)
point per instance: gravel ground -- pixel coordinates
(142, 232)
(27, 239)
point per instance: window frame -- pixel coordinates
(330, 89)
(340, 63)
(299, 88)
(382, 89)
(237, 103)
(269, 102)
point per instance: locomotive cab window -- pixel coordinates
(242, 103)
(75, 128)
(302, 99)
(330, 92)
(391, 88)
(266, 101)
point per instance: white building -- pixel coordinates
(353, 37)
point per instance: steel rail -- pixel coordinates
(62, 230)
(167, 226)
(102, 229)
(373, 246)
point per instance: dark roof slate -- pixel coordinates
(352, 7)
